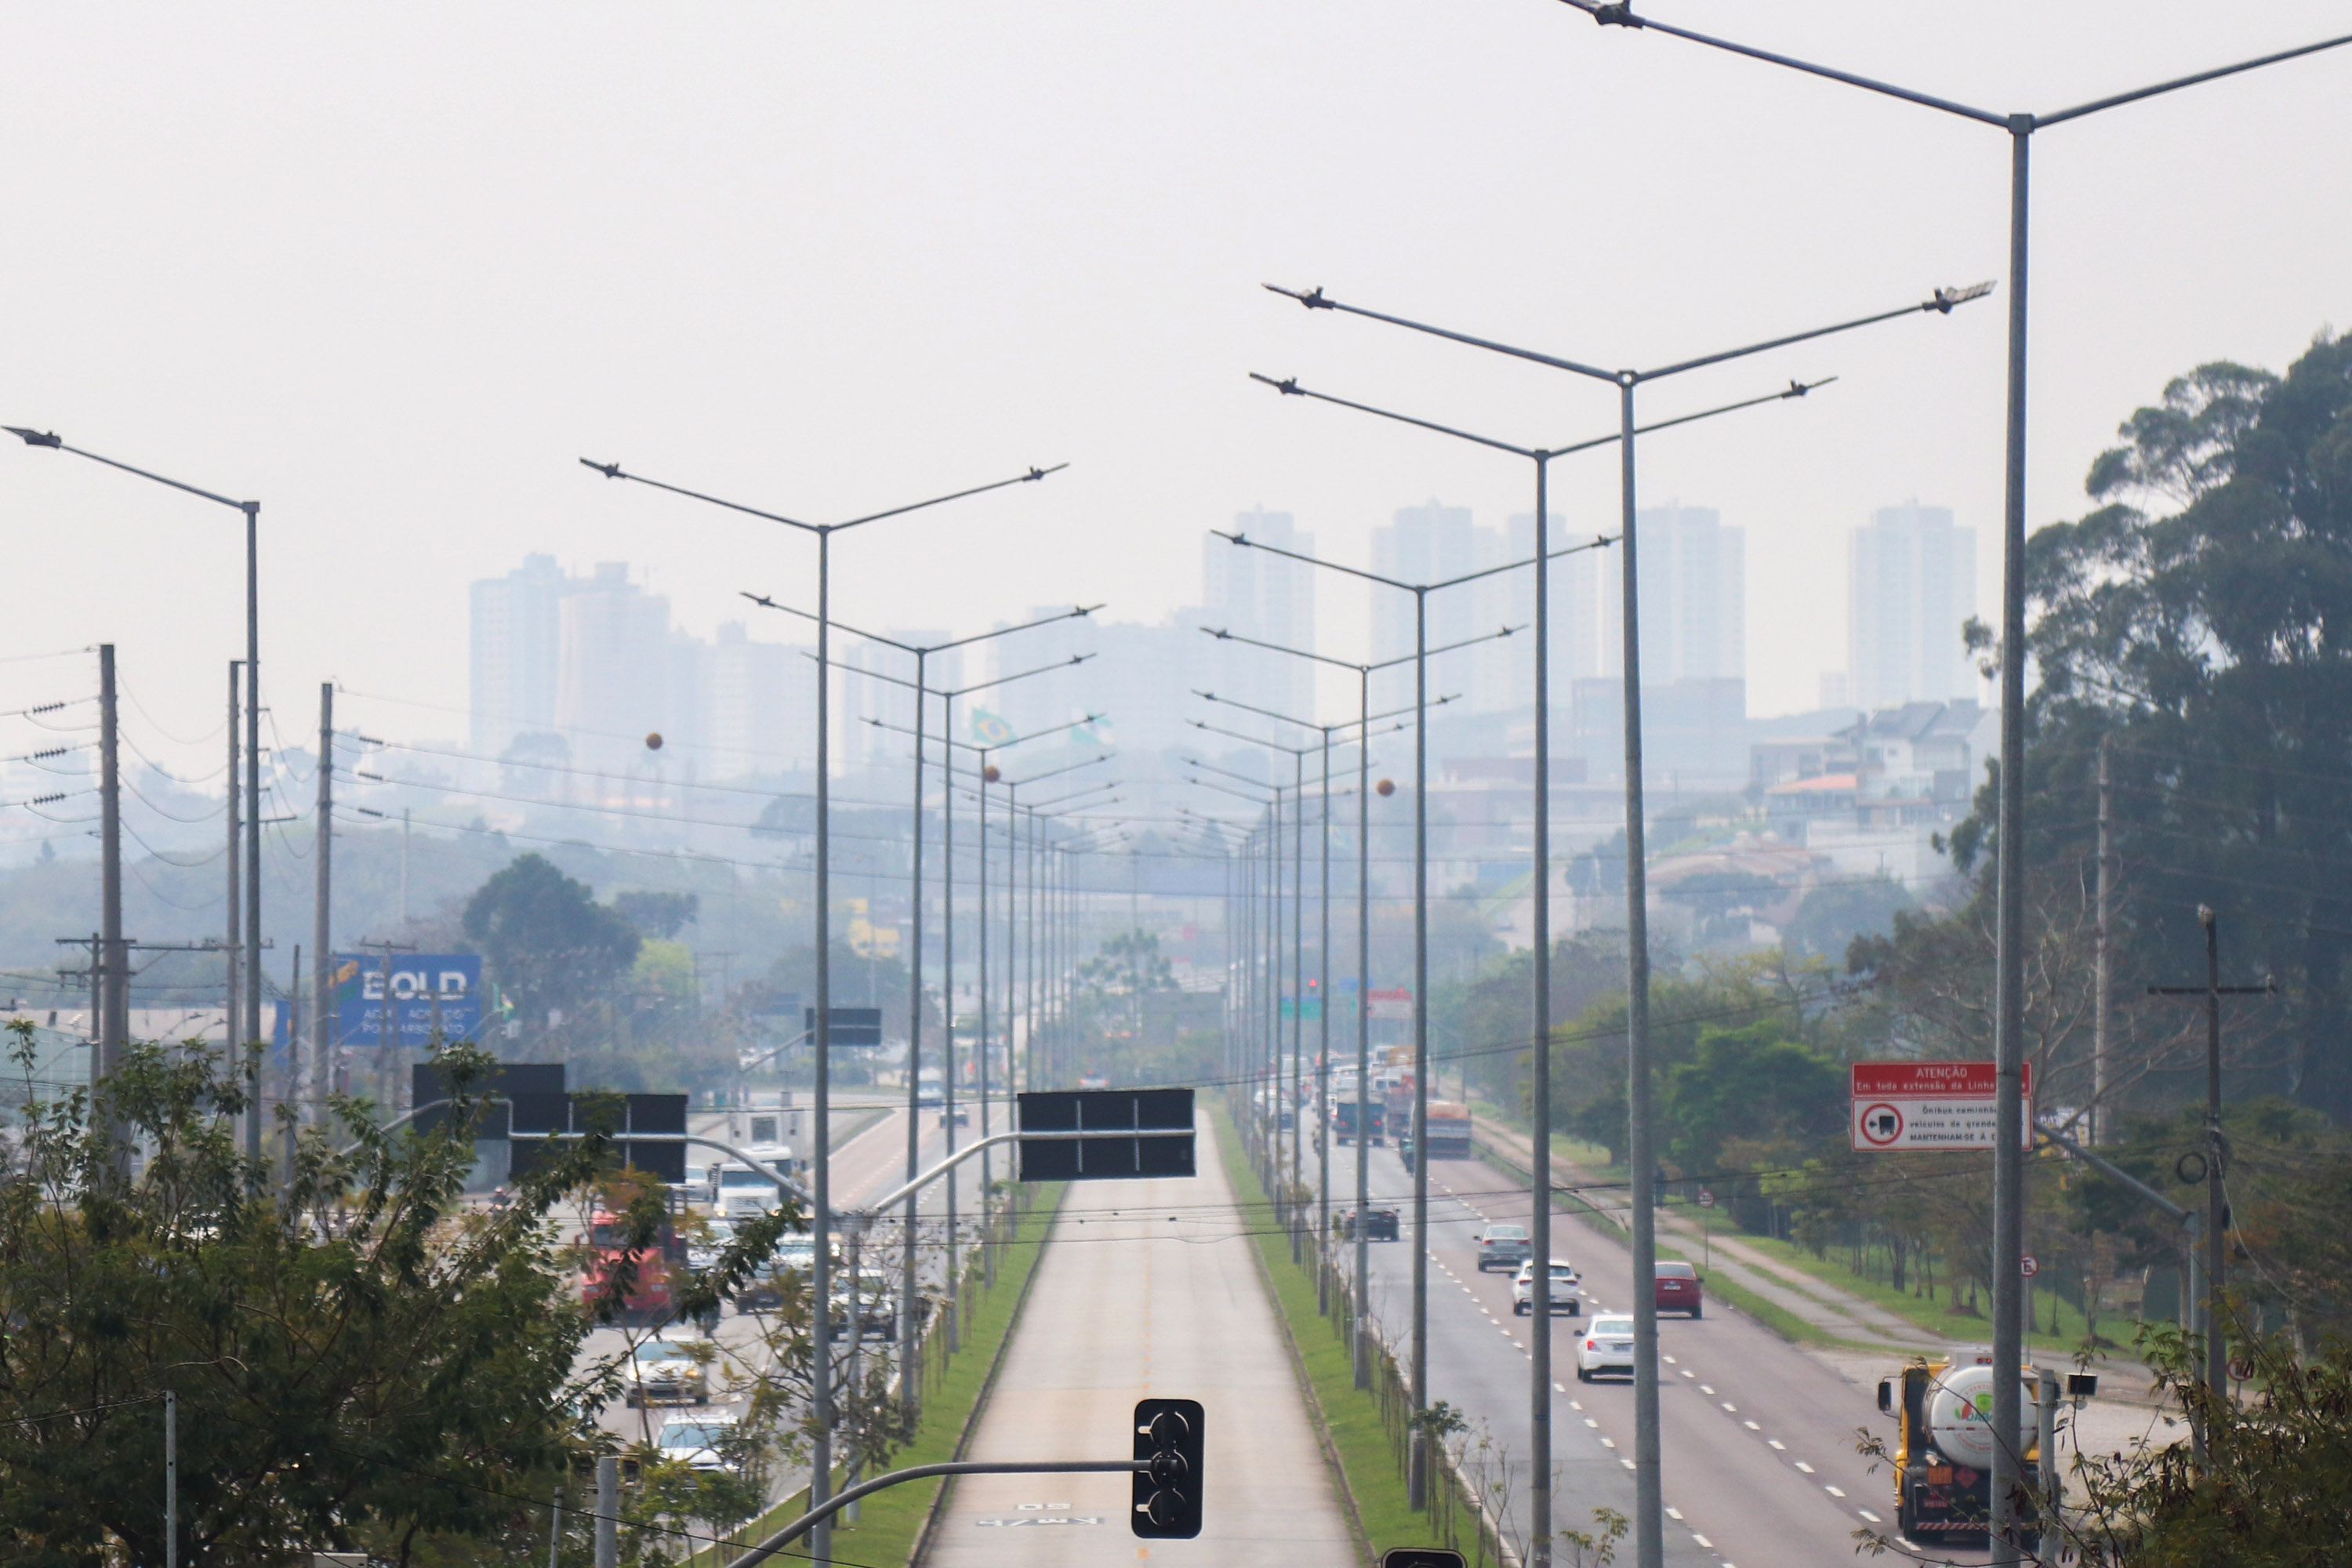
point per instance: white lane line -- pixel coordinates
(1627, 1463)
(1776, 1445)
(1833, 1491)
(1703, 1540)
(1668, 1360)
(1730, 1406)
(1686, 1371)
(1703, 1388)
(1675, 1513)
(1573, 1404)
(1608, 1442)
(1868, 1515)
(1561, 1387)
(1804, 1467)
(1753, 1427)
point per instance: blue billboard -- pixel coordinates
(430, 990)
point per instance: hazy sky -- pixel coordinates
(392, 270)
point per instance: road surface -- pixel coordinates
(1147, 1287)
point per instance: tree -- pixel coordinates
(360, 1356)
(2200, 621)
(553, 948)
(658, 915)
(1752, 1085)
(1832, 915)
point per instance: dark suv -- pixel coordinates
(1380, 1225)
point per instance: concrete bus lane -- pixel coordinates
(1757, 1436)
(1147, 1287)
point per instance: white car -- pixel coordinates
(694, 1443)
(1566, 1295)
(1607, 1346)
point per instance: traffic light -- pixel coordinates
(1168, 1494)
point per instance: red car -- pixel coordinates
(1678, 1289)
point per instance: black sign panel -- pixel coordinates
(1420, 1557)
(846, 1026)
(538, 1116)
(506, 1079)
(1110, 1118)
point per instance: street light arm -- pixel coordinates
(1228, 772)
(1316, 299)
(975, 686)
(1074, 612)
(1795, 389)
(1290, 388)
(1054, 773)
(1221, 789)
(1223, 634)
(1022, 740)
(1252, 739)
(1032, 476)
(1941, 302)
(614, 471)
(2118, 99)
(1622, 16)
(49, 439)
(1081, 795)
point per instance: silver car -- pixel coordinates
(699, 1443)
(1607, 1346)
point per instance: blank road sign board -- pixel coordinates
(1116, 1123)
(846, 1026)
(1926, 1105)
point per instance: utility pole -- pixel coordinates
(2102, 1037)
(321, 924)
(112, 963)
(232, 946)
(2217, 1338)
(403, 867)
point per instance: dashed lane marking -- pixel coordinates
(1777, 1446)
(1589, 1421)
(1868, 1515)
(1703, 1540)
(1753, 1427)
(1833, 1491)
(1730, 1406)
(1627, 1463)
(1608, 1442)
(1686, 1371)
(1675, 1513)
(1703, 1388)
(1804, 1467)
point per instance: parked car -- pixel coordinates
(1504, 1245)
(1567, 1290)
(1380, 1225)
(1678, 1289)
(701, 1442)
(669, 1370)
(1607, 1346)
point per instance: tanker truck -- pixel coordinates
(1944, 1449)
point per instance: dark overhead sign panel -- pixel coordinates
(1129, 1132)
(846, 1026)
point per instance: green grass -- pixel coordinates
(891, 1519)
(1935, 1316)
(1351, 1417)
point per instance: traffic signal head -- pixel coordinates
(1168, 1492)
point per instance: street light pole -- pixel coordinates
(1649, 1504)
(821, 1154)
(251, 1017)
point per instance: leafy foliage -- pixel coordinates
(553, 948)
(361, 1354)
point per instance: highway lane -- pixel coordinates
(1758, 1438)
(1147, 1287)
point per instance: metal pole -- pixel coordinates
(1649, 1508)
(980, 1043)
(230, 1033)
(252, 1018)
(321, 913)
(1362, 1348)
(1297, 987)
(2102, 1036)
(1417, 1470)
(2008, 1036)
(1323, 1059)
(910, 1396)
(2217, 1351)
(947, 988)
(1539, 1215)
(820, 1155)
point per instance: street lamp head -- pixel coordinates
(1287, 385)
(610, 470)
(2205, 915)
(1946, 297)
(1385, 788)
(991, 774)
(1312, 298)
(34, 438)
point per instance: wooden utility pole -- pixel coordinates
(2101, 1035)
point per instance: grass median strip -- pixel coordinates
(890, 1520)
(1349, 1415)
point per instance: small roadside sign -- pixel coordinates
(2028, 1266)
(1926, 1105)
(1705, 1199)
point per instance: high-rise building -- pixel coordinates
(865, 697)
(1265, 596)
(615, 683)
(516, 646)
(1429, 543)
(757, 708)
(1574, 603)
(1694, 598)
(1911, 582)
